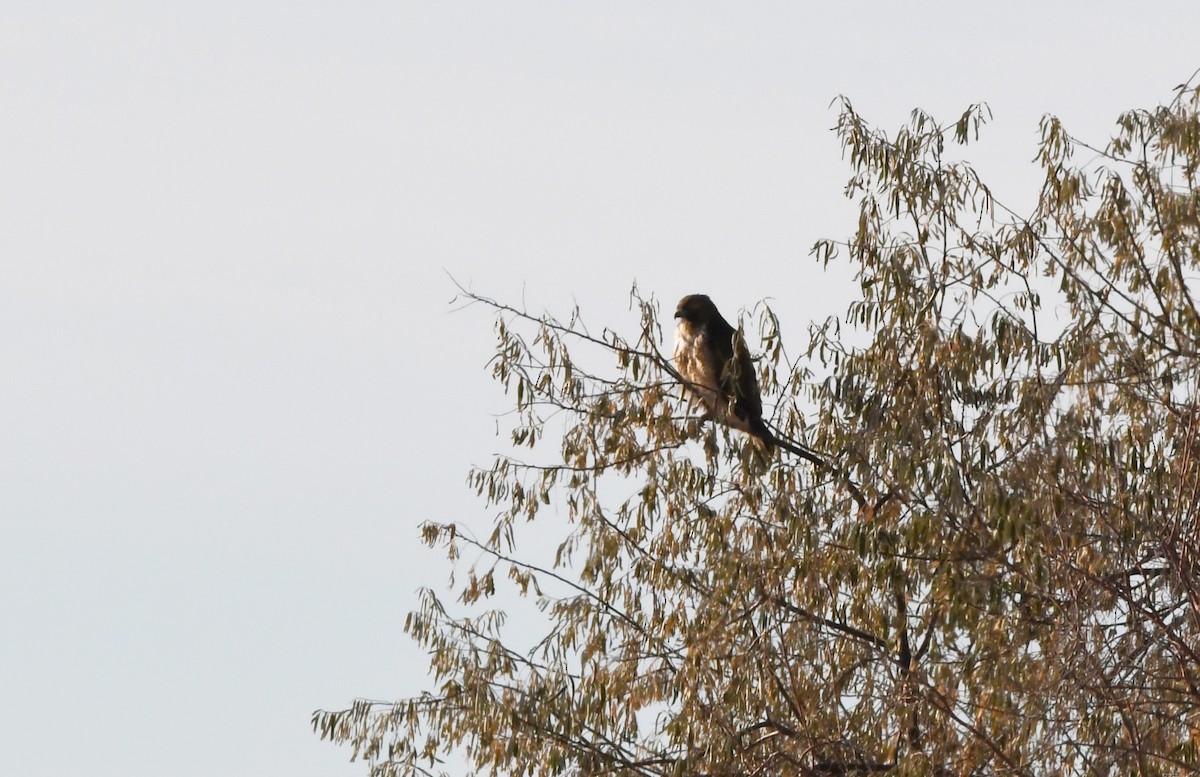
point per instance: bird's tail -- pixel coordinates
(762, 434)
(770, 440)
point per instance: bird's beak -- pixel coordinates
(678, 314)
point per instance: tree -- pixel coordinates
(990, 569)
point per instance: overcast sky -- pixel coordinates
(230, 382)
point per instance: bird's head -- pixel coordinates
(696, 309)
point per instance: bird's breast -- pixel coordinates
(695, 364)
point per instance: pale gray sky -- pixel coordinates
(230, 386)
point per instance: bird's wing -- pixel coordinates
(740, 380)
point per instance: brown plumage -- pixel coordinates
(713, 361)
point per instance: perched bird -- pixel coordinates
(713, 361)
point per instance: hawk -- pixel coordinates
(716, 369)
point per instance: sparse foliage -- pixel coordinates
(993, 572)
